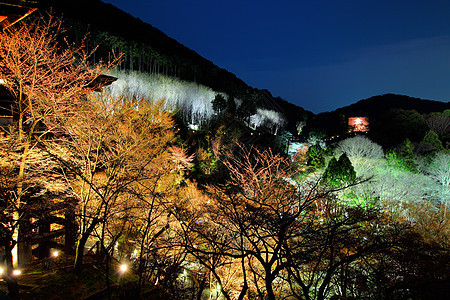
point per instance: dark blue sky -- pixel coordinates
(318, 54)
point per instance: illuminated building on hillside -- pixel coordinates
(358, 124)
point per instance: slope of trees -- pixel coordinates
(112, 172)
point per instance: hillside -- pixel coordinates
(149, 50)
(392, 118)
(375, 106)
(97, 16)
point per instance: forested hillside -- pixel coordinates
(154, 187)
(392, 118)
(148, 50)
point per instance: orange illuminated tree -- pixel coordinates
(116, 155)
(45, 75)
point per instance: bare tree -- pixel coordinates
(362, 152)
(439, 170)
(280, 238)
(44, 76)
(115, 154)
(439, 124)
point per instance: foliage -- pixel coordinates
(259, 231)
(316, 137)
(263, 235)
(396, 125)
(339, 173)
(431, 142)
(219, 104)
(117, 153)
(403, 158)
(316, 156)
(45, 76)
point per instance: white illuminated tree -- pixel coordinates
(191, 99)
(363, 153)
(439, 170)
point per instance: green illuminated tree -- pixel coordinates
(431, 142)
(403, 157)
(339, 173)
(316, 156)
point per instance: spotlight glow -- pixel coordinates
(123, 268)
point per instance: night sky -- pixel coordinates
(318, 54)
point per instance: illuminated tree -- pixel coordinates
(431, 142)
(403, 158)
(316, 137)
(279, 237)
(316, 156)
(8, 184)
(44, 76)
(114, 153)
(362, 152)
(162, 191)
(340, 172)
(439, 170)
(246, 222)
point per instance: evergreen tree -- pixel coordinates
(316, 156)
(219, 104)
(403, 158)
(340, 172)
(431, 141)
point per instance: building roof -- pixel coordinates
(13, 13)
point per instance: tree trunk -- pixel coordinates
(24, 254)
(269, 288)
(13, 286)
(44, 248)
(71, 231)
(80, 246)
(11, 281)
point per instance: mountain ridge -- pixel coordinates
(376, 105)
(105, 16)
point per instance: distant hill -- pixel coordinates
(148, 49)
(375, 106)
(392, 118)
(98, 17)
